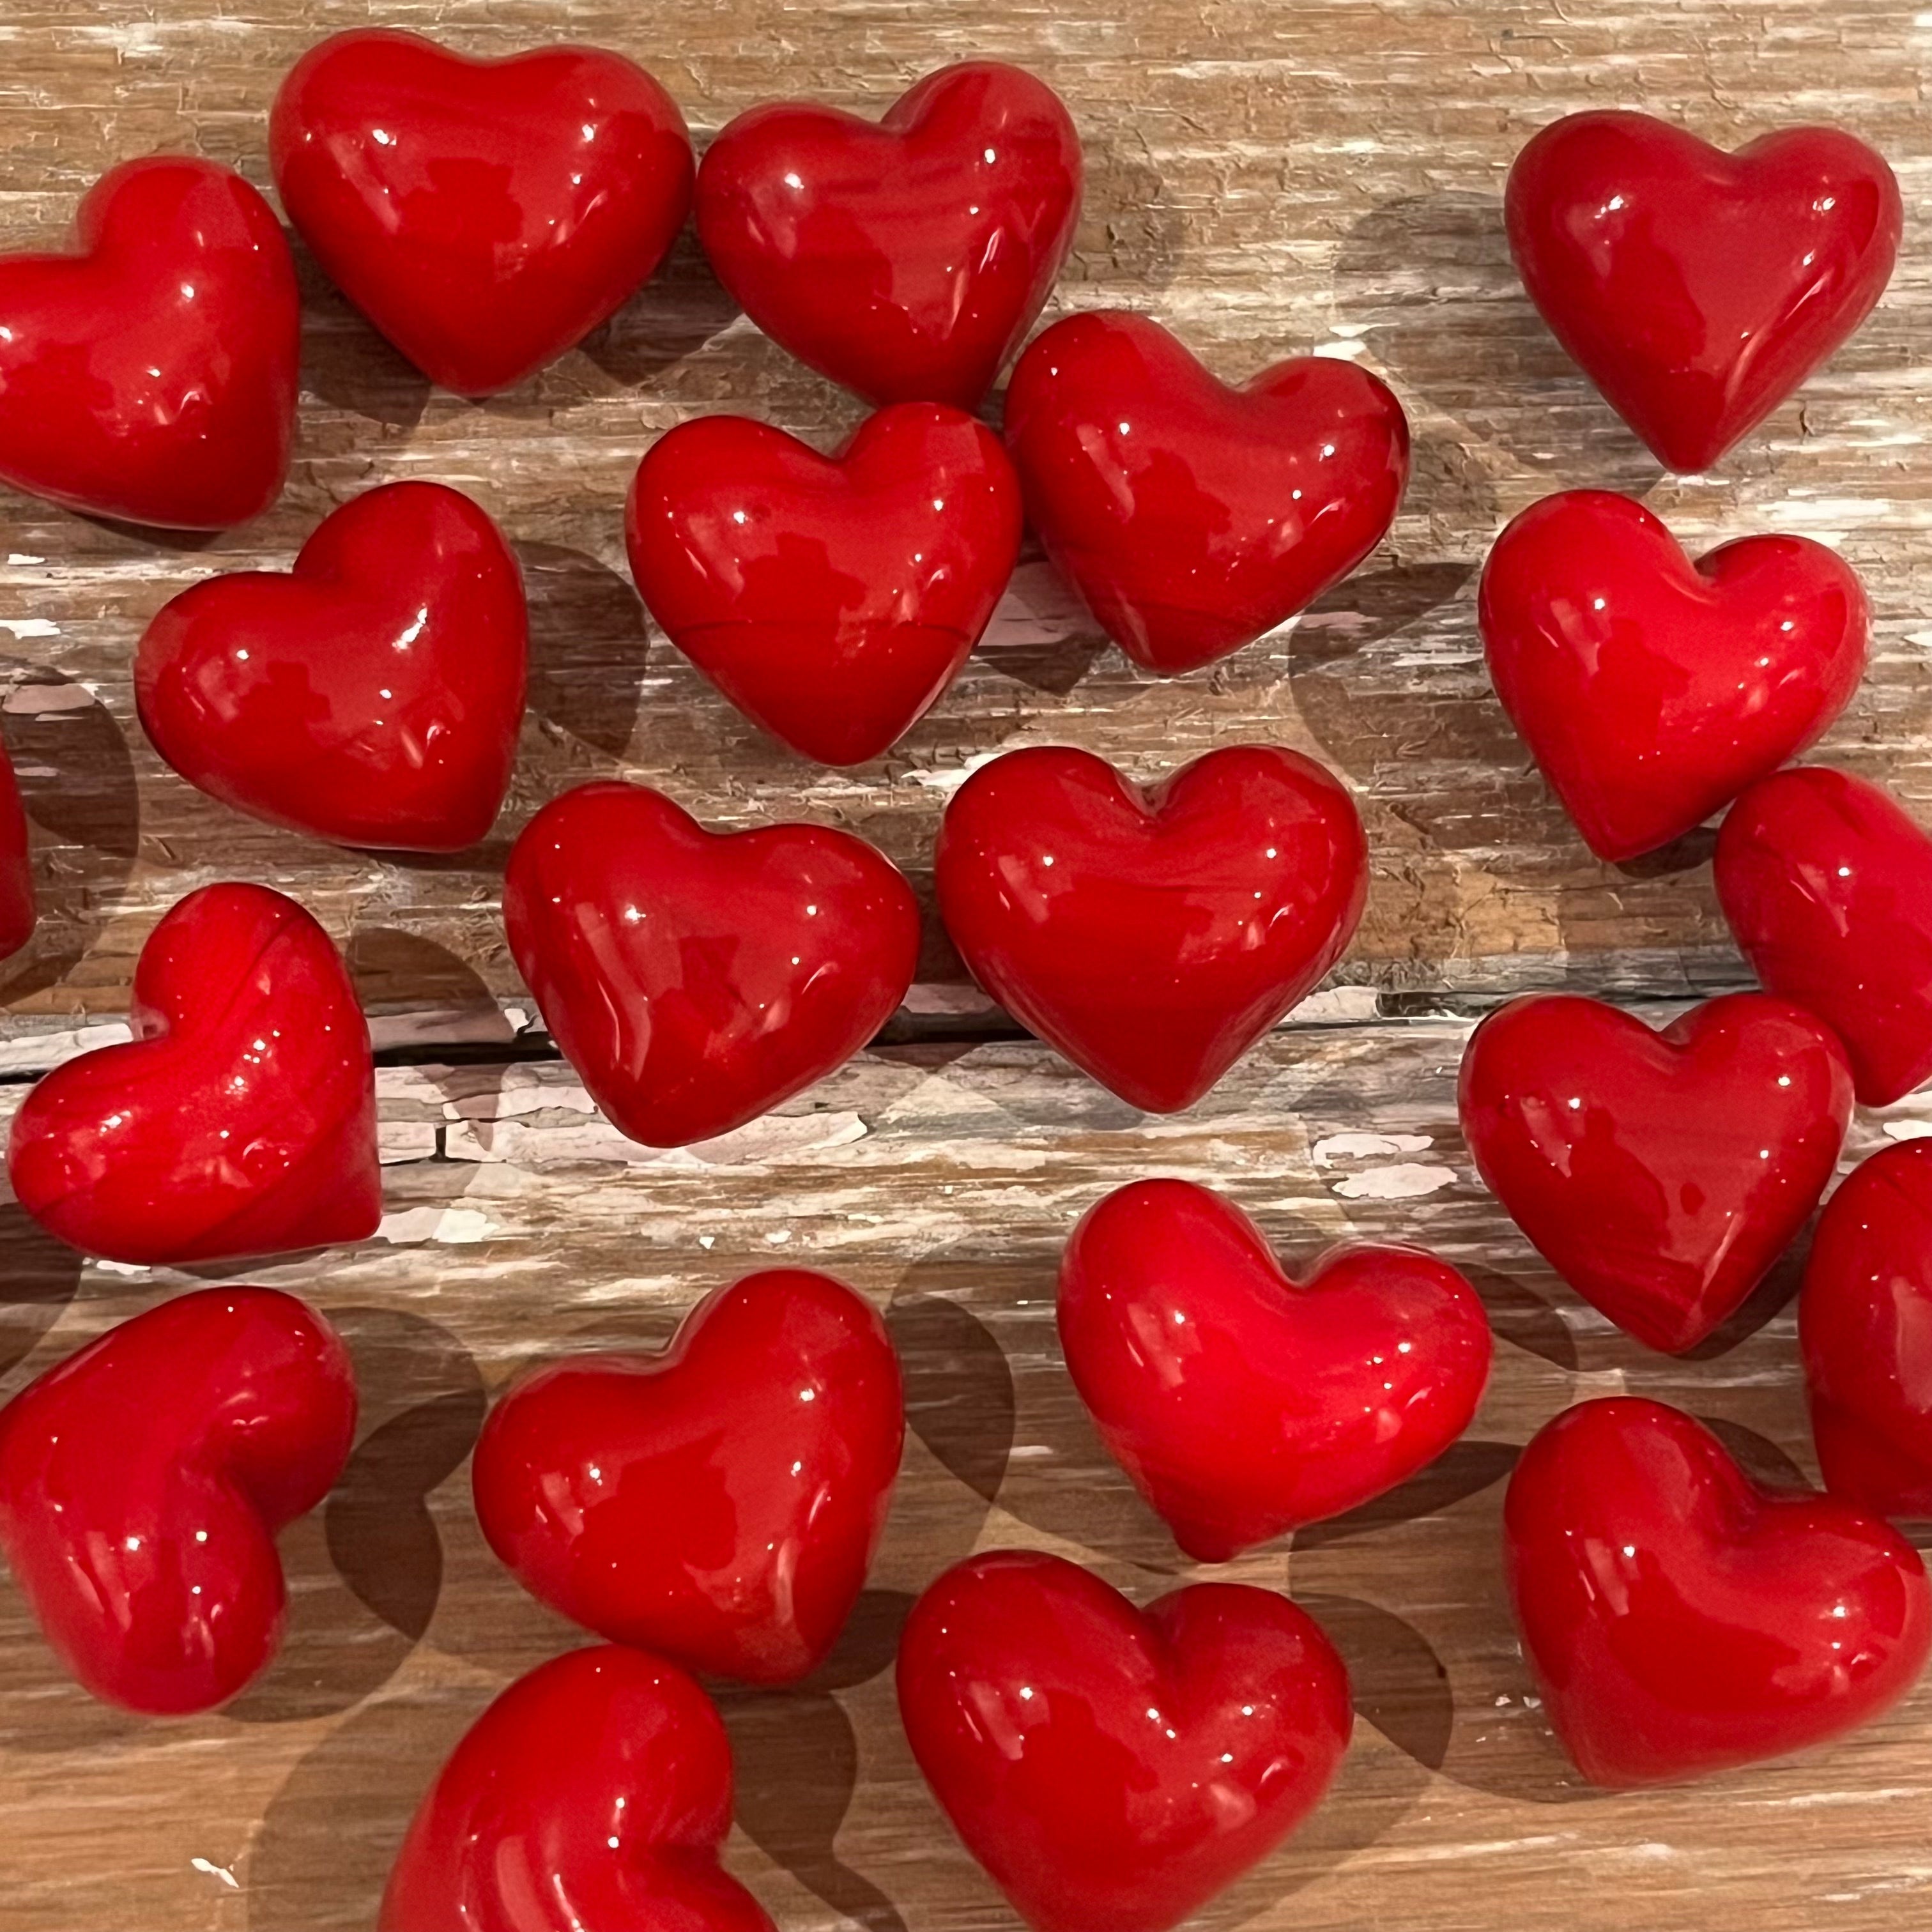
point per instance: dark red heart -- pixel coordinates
(240, 1120)
(486, 215)
(1863, 1319)
(1661, 1174)
(593, 1795)
(695, 979)
(1652, 690)
(148, 372)
(1114, 1768)
(1680, 1619)
(831, 599)
(1698, 288)
(1151, 934)
(906, 259)
(1827, 885)
(1193, 517)
(18, 913)
(1244, 1403)
(718, 1504)
(143, 1481)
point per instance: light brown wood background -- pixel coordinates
(1266, 176)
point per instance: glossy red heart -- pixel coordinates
(19, 913)
(1243, 1403)
(148, 372)
(695, 980)
(1679, 1618)
(1194, 517)
(1827, 884)
(593, 1795)
(1152, 935)
(1114, 1768)
(1864, 1324)
(831, 599)
(142, 1483)
(1651, 690)
(719, 1503)
(241, 1119)
(906, 259)
(486, 215)
(1699, 289)
(1660, 1173)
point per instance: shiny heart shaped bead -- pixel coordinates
(1113, 1768)
(593, 1795)
(18, 910)
(831, 599)
(1652, 690)
(1194, 517)
(143, 1481)
(906, 259)
(1660, 1173)
(149, 371)
(1699, 289)
(695, 980)
(1679, 1618)
(1826, 883)
(372, 696)
(718, 1504)
(1151, 934)
(240, 1119)
(1243, 1403)
(486, 215)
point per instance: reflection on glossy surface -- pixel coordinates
(831, 599)
(1679, 1618)
(1193, 517)
(1151, 934)
(1113, 1769)
(1660, 1173)
(142, 1482)
(694, 979)
(906, 259)
(1244, 1403)
(19, 912)
(150, 373)
(1827, 884)
(719, 1503)
(1699, 289)
(1652, 690)
(1864, 1321)
(240, 1120)
(372, 697)
(593, 1795)
(484, 215)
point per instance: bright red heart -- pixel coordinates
(1152, 934)
(1242, 1403)
(18, 912)
(1679, 1618)
(1864, 1323)
(240, 1120)
(149, 372)
(372, 696)
(1114, 1768)
(593, 1795)
(1193, 517)
(143, 1481)
(906, 260)
(695, 980)
(486, 215)
(831, 599)
(1651, 691)
(1698, 288)
(1827, 884)
(1662, 1174)
(719, 1503)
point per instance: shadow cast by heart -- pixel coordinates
(347, 361)
(1464, 1469)
(588, 639)
(679, 312)
(1521, 1317)
(39, 1276)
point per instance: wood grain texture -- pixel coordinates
(1266, 178)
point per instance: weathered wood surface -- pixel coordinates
(1267, 178)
